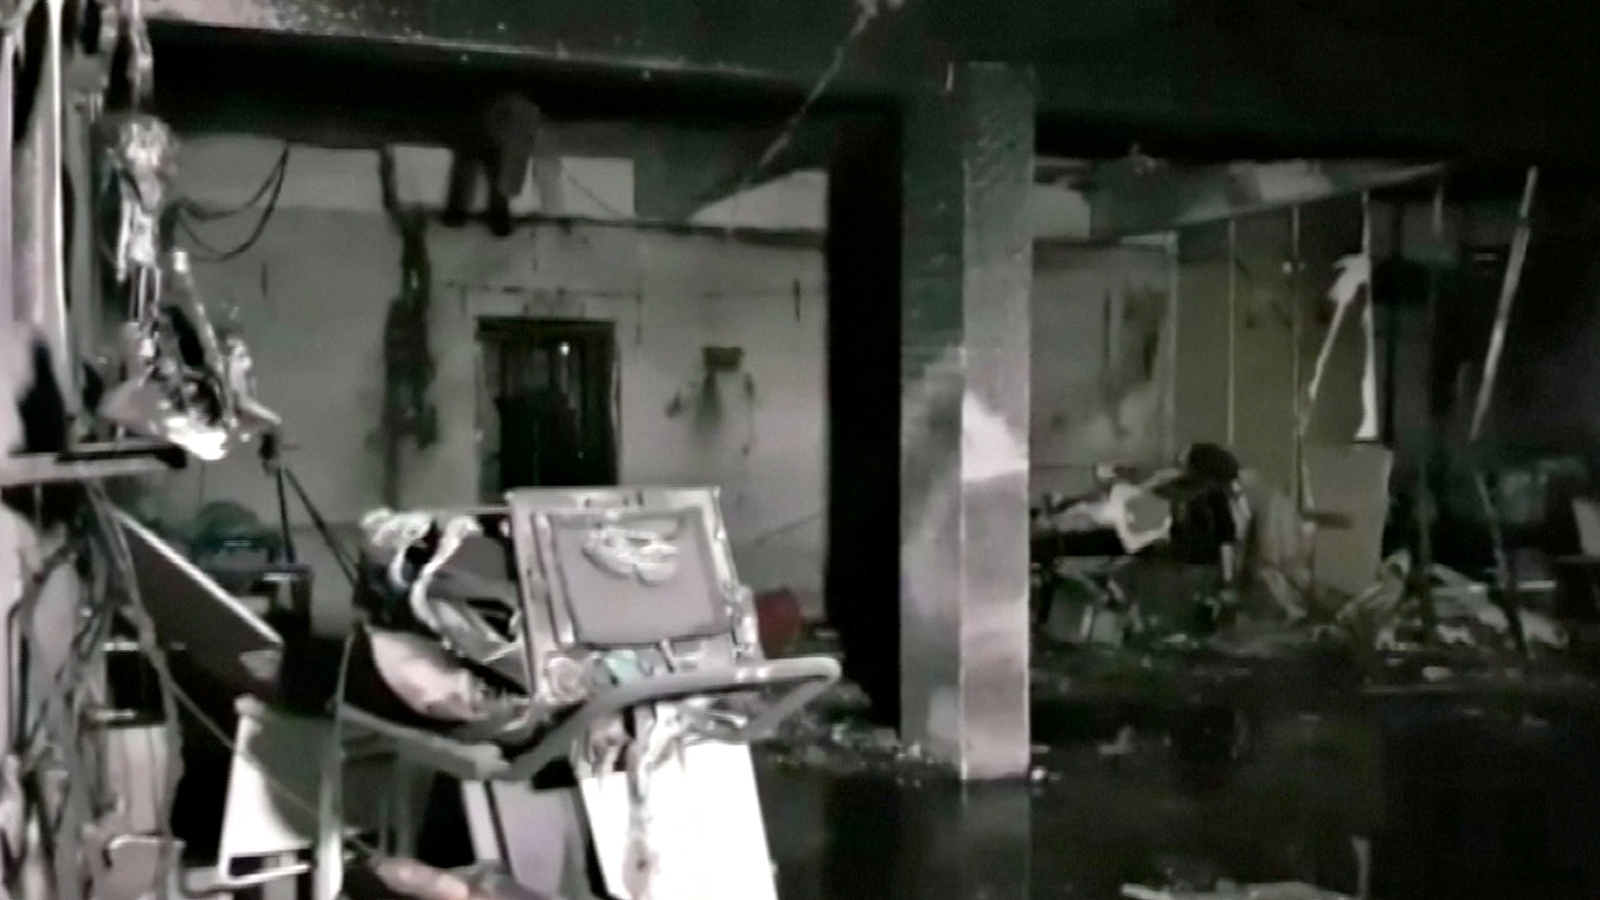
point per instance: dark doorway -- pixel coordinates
(547, 415)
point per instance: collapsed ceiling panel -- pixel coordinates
(1141, 196)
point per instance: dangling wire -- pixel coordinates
(1508, 295)
(272, 182)
(220, 734)
(346, 565)
(19, 625)
(213, 255)
(121, 557)
(173, 695)
(867, 12)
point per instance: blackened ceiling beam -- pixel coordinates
(781, 45)
(224, 79)
(696, 139)
(1210, 78)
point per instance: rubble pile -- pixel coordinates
(1395, 617)
(1266, 582)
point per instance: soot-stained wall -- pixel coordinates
(313, 294)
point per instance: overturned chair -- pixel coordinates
(624, 770)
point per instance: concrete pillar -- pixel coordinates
(967, 156)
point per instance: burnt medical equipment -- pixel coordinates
(613, 627)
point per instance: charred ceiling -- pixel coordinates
(1347, 78)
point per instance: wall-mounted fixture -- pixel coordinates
(703, 393)
(721, 360)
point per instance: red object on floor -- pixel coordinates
(778, 620)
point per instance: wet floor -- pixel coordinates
(1462, 796)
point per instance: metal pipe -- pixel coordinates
(51, 309)
(1391, 330)
(1170, 448)
(1233, 329)
(1508, 293)
(1424, 500)
(8, 61)
(1297, 365)
(1368, 430)
(1354, 272)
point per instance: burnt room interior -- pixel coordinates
(698, 450)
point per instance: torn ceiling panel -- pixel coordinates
(1142, 196)
(681, 171)
(678, 171)
(797, 202)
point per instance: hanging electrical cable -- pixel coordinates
(18, 624)
(408, 358)
(134, 609)
(183, 214)
(867, 11)
(275, 176)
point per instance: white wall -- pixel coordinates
(314, 292)
(1090, 405)
(799, 201)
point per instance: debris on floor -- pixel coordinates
(836, 733)
(1465, 615)
(408, 879)
(1272, 582)
(1122, 746)
(1289, 890)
